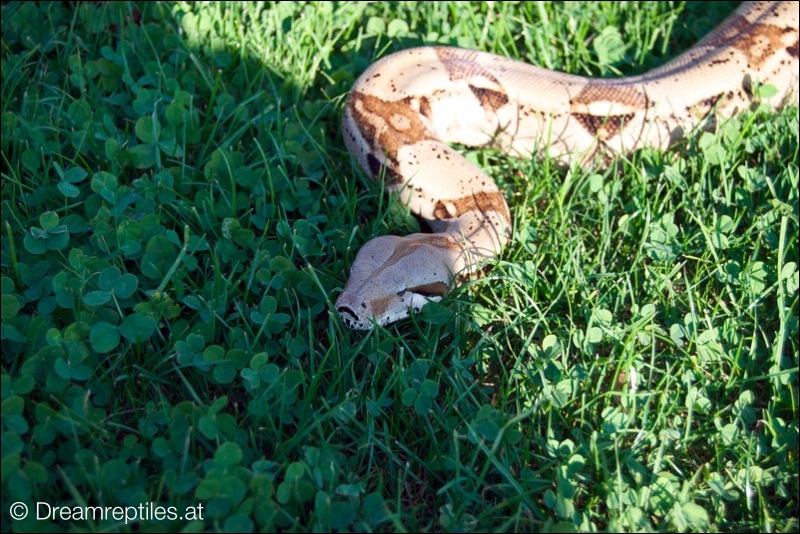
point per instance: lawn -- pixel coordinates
(179, 215)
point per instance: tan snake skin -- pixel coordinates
(405, 109)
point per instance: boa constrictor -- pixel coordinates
(405, 109)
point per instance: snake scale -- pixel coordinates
(405, 110)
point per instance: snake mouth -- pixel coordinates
(348, 316)
(431, 290)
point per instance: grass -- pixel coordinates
(179, 215)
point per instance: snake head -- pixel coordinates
(392, 275)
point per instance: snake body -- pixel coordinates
(403, 112)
